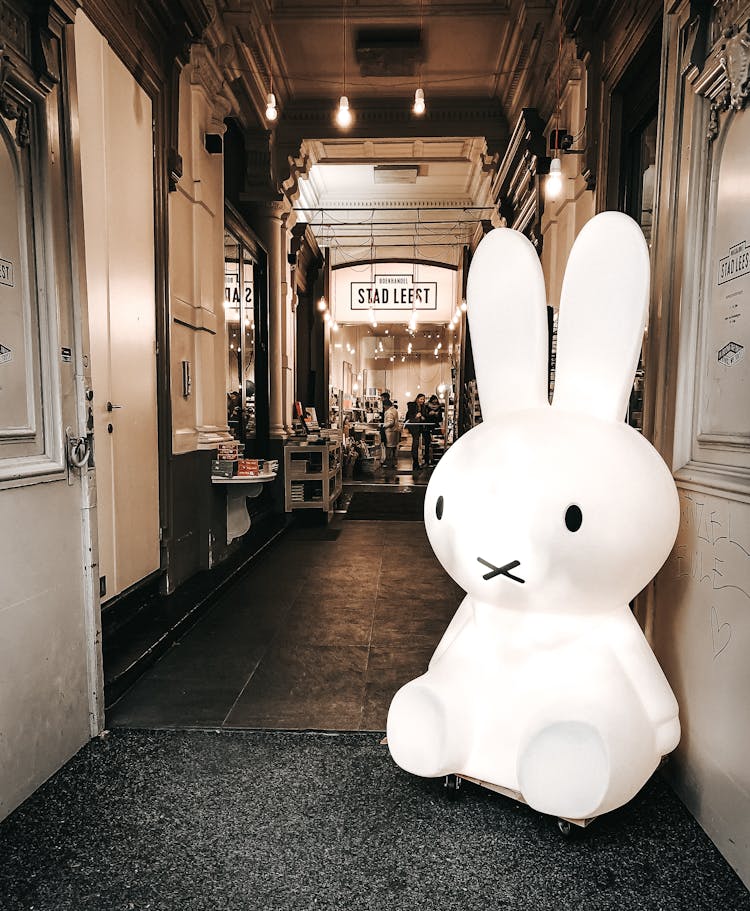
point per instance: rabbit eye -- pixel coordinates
(573, 518)
(439, 508)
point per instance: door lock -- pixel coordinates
(77, 449)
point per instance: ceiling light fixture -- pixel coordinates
(343, 115)
(271, 112)
(419, 106)
(553, 183)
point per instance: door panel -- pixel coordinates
(117, 177)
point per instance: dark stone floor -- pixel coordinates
(239, 821)
(318, 635)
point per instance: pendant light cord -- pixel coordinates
(559, 67)
(343, 39)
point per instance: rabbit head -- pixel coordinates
(559, 507)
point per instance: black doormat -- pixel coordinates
(406, 506)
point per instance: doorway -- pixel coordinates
(117, 159)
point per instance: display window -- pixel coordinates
(245, 315)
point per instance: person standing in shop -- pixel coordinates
(392, 431)
(385, 399)
(415, 420)
(433, 416)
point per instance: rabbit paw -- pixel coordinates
(564, 770)
(420, 736)
(667, 736)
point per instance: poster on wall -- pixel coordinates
(726, 373)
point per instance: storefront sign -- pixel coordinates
(232, 294)
(394, 292)
(6, 273)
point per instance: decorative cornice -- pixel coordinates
(734, 57)
(10, 109)
(206, 72)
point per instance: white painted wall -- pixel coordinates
(196, 269)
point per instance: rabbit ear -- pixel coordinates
(603, 312)
(507, 309)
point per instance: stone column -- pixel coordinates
(269, 220)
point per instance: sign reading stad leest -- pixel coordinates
(394, 291)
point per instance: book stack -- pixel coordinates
(297, 492)
(225, 463)
(248, 468)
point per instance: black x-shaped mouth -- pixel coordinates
(501, 570)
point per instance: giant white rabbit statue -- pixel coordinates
(552, 518)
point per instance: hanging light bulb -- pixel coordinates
(463, 305)
(553, 184)
(343, 115)
(327, 317)
(271, 112)
(418, 102)
(322, 305)
(335, 326)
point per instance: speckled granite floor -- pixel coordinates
(237, 821)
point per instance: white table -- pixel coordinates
(238, 492)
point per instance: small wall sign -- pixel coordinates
(6, 354)
(6, 273)
(731, 354)
(66, 354)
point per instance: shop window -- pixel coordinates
(240, 313)
(635, 109)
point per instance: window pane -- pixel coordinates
(648, 177)
(232, 310)
(248, 345)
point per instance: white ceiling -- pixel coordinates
(429, 219)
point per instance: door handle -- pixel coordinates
(111, 407)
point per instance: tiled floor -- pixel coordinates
(318, 636)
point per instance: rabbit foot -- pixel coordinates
(564, 770)
(421, 737)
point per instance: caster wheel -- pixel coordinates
(565, 827)
(452, 785)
